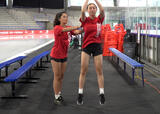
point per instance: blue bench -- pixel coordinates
(6, 64)
(127, 60)
(12, 78)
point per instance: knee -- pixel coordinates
(57, 77)
(62, 76)
(83, 72)
(99, 72)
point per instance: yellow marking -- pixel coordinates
(153, 73)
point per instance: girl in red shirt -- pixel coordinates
(59, 51)
(91, 47)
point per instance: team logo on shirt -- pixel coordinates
(98, 29)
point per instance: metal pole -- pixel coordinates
(65, 5)
(146, 50)
(129, 23)
(133, 71)
(156, 40)
(13, 88)
(142, 77)
(9, 4)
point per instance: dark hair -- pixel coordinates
(91, 4)
(58, 16)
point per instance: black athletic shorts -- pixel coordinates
(59, 60)
(93, 49)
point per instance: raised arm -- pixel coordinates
(83, 10)
(100, 8)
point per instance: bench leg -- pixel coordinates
(6, 68)
(30, 76)
(117, 60)
(2, 78)
(47, 57)
(6, 74)
(13, 95)
(21, 62)
(38, 67)
(133, 71)
(124, 66)
(13, 88)
(41, 65)
(142, 77)
(0, 72)
(28, 79)
(41, 62)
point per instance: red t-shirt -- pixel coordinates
(92, 30)
(60, 48)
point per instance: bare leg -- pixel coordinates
(63, 69)
(99, 70)
(84, 67)
(56, 66)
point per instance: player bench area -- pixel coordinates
(6, 65)
(129, 61)
(26, 68)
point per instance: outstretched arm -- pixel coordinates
(68, 29)
(84, 7)
(100, 8)
(76, 32)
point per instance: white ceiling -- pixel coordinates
(121, 3)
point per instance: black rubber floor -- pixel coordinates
(122, 97)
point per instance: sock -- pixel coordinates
(56, 96)
(80, 91)
(59, 93)
(101, 90)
